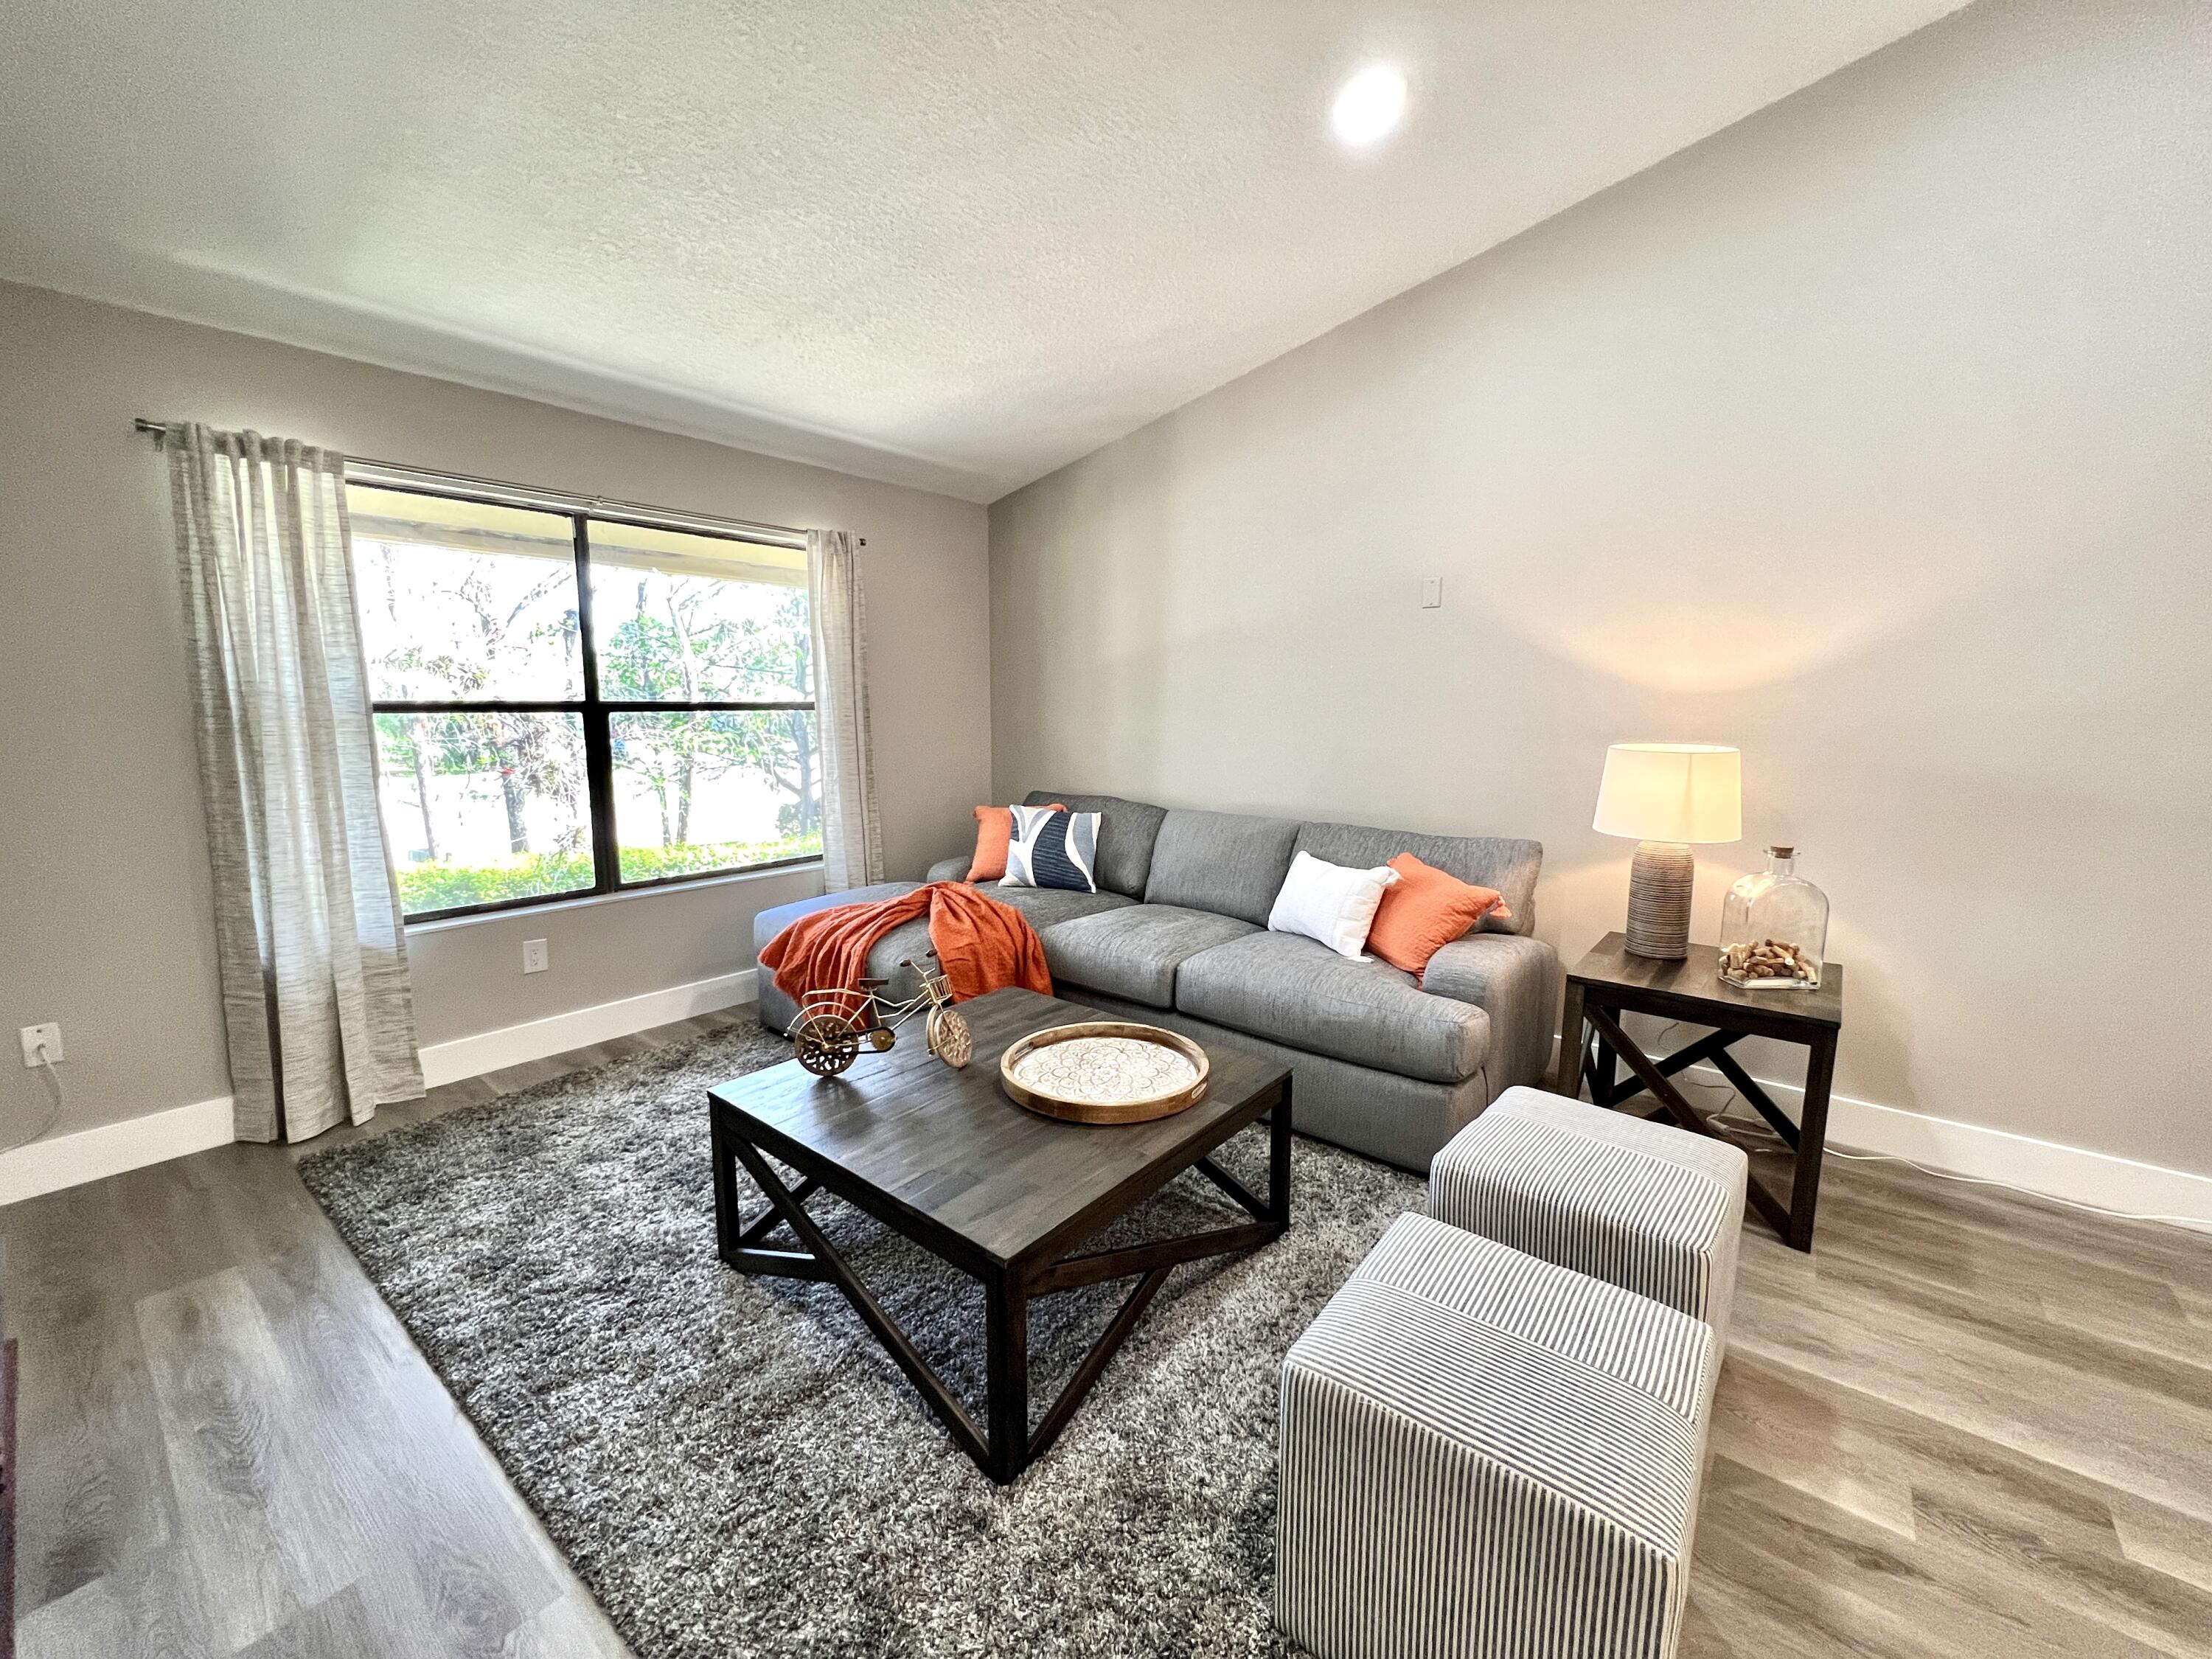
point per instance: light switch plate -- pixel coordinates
(1432, 592)
(535, 958)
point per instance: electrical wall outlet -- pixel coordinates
(50, 1035)
(1432, 592)
(535, 957)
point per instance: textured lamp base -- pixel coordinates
(1659, 884)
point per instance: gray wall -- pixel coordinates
(1870, 435)
(104, 894)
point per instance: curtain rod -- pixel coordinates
(361, 469)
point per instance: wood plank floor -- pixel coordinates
(1969, 1425)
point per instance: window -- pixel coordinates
(569, 704)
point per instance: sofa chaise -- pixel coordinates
(1176, 936)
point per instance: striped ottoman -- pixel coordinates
(1486, 1456)
(1647, 1207)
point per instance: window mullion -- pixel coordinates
(598, 742)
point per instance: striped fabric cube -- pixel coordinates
(1648, 1207)
(1484, 1456)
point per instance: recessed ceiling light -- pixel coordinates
(1372, 102)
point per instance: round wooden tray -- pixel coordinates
(1061, 1100)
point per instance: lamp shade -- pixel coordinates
(1674, 792)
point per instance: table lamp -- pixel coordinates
(1665, 796)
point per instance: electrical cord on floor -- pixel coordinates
(53, 1117)
(1729, 1128)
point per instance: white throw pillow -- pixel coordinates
(1331, 902)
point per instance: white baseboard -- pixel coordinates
(512, 1045)
(70, 1160)
(2041, 1166)
(2054, 1170)
(2048, 1167)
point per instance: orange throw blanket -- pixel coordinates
(982, 943)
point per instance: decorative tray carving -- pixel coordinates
(1104, 1071)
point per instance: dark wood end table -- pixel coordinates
(1611, 982)
(947, 1159)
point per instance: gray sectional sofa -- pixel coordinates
(1176, 936)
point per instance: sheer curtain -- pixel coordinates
(315, 993)
(852, 839)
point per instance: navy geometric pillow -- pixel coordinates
(1053, 850)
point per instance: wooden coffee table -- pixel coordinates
(944, 1158)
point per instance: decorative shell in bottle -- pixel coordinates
(1770, 959)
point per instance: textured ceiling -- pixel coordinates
(951, 246)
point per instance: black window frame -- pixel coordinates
(594, 710)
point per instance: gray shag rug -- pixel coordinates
(736, 1468)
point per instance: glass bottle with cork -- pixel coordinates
(1774, 927)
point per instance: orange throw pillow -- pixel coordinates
(1425, 909)
(994, 828)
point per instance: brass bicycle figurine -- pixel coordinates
(831, 1025)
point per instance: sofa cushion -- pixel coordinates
(1042, 906)
(1301, 992)
(1134, 952)
(767, 924)
(1502, 862)
(1126, 832)
(906, 940)
(1224, 862)
(1403, 1121)
(1048, 907)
